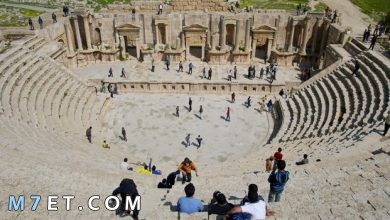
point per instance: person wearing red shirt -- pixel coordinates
(278, 156)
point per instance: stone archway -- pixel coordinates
(262, 41)
(195, 38)
(129, 39)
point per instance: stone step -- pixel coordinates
(9, 85)
(18, 101)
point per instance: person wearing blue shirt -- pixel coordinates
(277, 181)
(187, 204)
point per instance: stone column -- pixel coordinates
(237, 38)
(277, 25)
(203, 53)
(247, 35)
(77, 29)
(137, 47)
(183, 40)
(213, 42)
(69, 38)
(305, 38)
(314, 42)
(157, 33)
(291, 35)
(123, 46)
(116, 37)
(269, 48)
(324, 36)
(87, 33)
(223, 33)
(253, 47)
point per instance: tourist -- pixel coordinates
(88, 133)
(227, 118)
(167, 63)
(230, 75)
(334, 19)
(269, 105)
(171, 178)
(200, 111)
(376, 30)
(261, 73)
(177, 111)
(123, 73)
(152, 65)
(125, 165)
(233, 97)
(144, 170)
(190, 104)
(40, 22)
(54, 17)
(160, 9)
(248, 102)
(219, 204)
(365, 35)
(103, 88)
(252, 188)
(356, 69)
(204, 73)
(126, 188)
(278, 154)
(265, 59)
(124, 134)
(133, 14)
(64, 10)
(187, 139)
(110, 73)
(188, 204)
(30, 23)
(180, 67)
(235, 72)
(382, 29)
(163, 184)
(269, 164)
(210, 74)
(373, 41)
(303, 161)
(186, 167)
(277, 181)
(199, 140)
(155, 171)
(253, 209)
(105, 145)
(387, 124)
(190, 67)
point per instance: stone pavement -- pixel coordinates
(141, 72)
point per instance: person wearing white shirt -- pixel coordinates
(125, 165)
(257, 209)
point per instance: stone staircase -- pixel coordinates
(37, 91)
(315, 110)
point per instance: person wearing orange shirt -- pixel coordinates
(186, 167)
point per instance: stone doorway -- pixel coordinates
(230, 34)
(261, 51)
(132, 51)
(195, 52)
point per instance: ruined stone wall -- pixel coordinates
(199, 5)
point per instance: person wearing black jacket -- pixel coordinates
(126, 188)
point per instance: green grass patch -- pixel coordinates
(50, 4)
(16, 17)
(320, 7)
(288, 5)
(376, 9)
(97, 5)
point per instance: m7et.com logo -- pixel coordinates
(111, 203)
